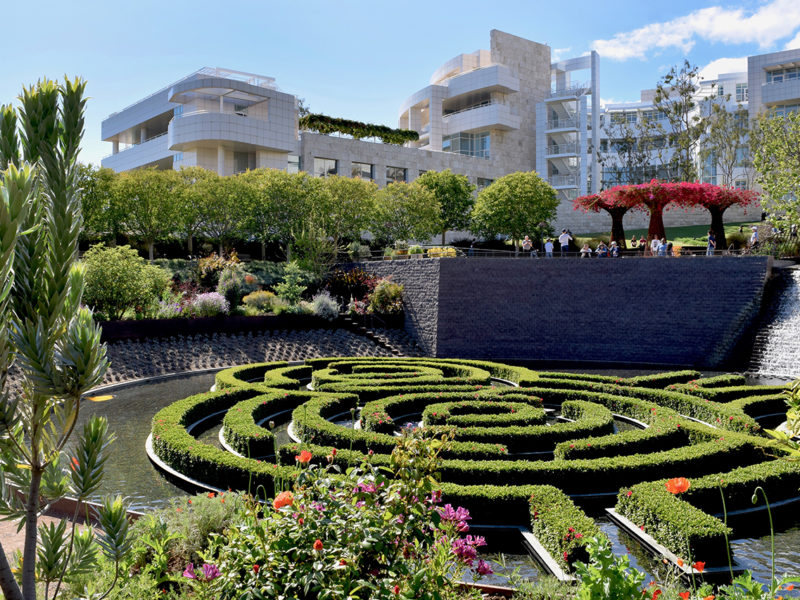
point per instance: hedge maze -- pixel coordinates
(530, 448)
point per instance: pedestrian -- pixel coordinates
(634, 243)
(548, 248)
(662, 247)
(586, 252)
(614, 250)
(654, 244)
(527, 246)
(471, 251)
(754, 237)
(564, 239)
(669, 249)
(602, 250)
(712, 243)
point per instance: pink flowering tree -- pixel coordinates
(716, 200)
(615, 204)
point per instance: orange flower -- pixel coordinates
(678, 485)
(685, 595)
(318, 545)
(283, 499)
(304, 458)
(211, 494)
(711, 597)
(699, 566)
(680, 562)
(790, 587)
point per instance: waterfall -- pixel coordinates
(776, 348)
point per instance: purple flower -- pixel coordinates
(483, 568)
(210, 572)
(189, 572)
(458, 516)
(367, 488)
(465, 552)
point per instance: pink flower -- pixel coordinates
(189, 571)
(210, 572)
(483, 568)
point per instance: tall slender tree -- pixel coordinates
(455, 195)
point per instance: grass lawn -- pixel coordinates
(689, 235)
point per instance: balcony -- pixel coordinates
(571, 91)
(199, 126)
(780, 92)
(493, 115)
(138, 155)
(565, 123)
(560, 181)
(562, 149)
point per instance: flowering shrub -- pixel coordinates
(210, 267)
(211, 304)
(259, 302)
(364, 533)
(386, 298)
(324, 306)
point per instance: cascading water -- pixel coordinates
(776, 348)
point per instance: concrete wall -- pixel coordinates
(681, 311)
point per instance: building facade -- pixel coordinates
(483, 114)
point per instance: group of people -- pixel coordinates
(656, 247)
(564, 239)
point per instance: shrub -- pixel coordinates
(358, 251)
(354, 284)
(210, 304)
(416, 250)
(235, 283)
(291, 288)
(386, 298)
(324, 306)
(210, 267)
(118, 280)
(260, 302)
(446, 252)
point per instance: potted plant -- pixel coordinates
(416, 252)
(387, 254)
(400, 249)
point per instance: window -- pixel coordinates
(617, 118)
(484, 183)
(240, 109)
(178, 110)
(324, 167)
(740, 184)
(293, 164)
(720, 90)
(630, 117)
(177, 158)
(361, 170)
(741, 92)
(395, 174)
(780, 75)
(781, 110)
(469, 144)
(242, 161)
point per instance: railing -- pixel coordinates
(576, 89)
(154, 137)
(201, 111)
(569, 122)
(458, 112)
(568, 148)
(559, 180)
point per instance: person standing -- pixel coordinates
(654, 244)
(527, 246)
(643, 244)
(548, 249)
(712, 243)
(662, 247)
(564, 239)
(754, 238)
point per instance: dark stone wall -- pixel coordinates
(420, 279)
(670, 311)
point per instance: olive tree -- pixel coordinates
(51, 337)
(775, 141)
(514, 205)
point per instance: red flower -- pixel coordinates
(256, 568)
(342, 561)
(211, 494)
(304, 457)
(318, 545)
(283, 499)
(699, 566)
(677, 485)
(656, 594)
(396, 590)
(685, 595)
(333, 451)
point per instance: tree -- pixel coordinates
(405, 211)
(685, 125)
(343, 208)
(455, 195)
(52, 338)
(190, 199)
(631, 151)
(514, 205)
(615, 204)
(775, 143)
(724, 142)
(716, 200)
(100, 217)
(148, 199)
(222, 205)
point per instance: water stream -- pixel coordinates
(776, 348)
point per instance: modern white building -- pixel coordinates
(483, 114)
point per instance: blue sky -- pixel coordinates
(357, 59)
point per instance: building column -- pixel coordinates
(220, 160)
(583, 147)
(142, 135)
(115, 147)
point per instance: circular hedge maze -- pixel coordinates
(530, 448)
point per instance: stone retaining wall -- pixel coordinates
(665, 311)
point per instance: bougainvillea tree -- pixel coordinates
(716, 200)
(615, 204)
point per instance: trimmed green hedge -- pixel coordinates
(484, 413)
(683, 523)
(727, 394)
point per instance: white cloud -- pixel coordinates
(558, 53)
(606, 101)
(771, 22)
(724, 65)
(794, 43)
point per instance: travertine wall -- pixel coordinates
(664, 311)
